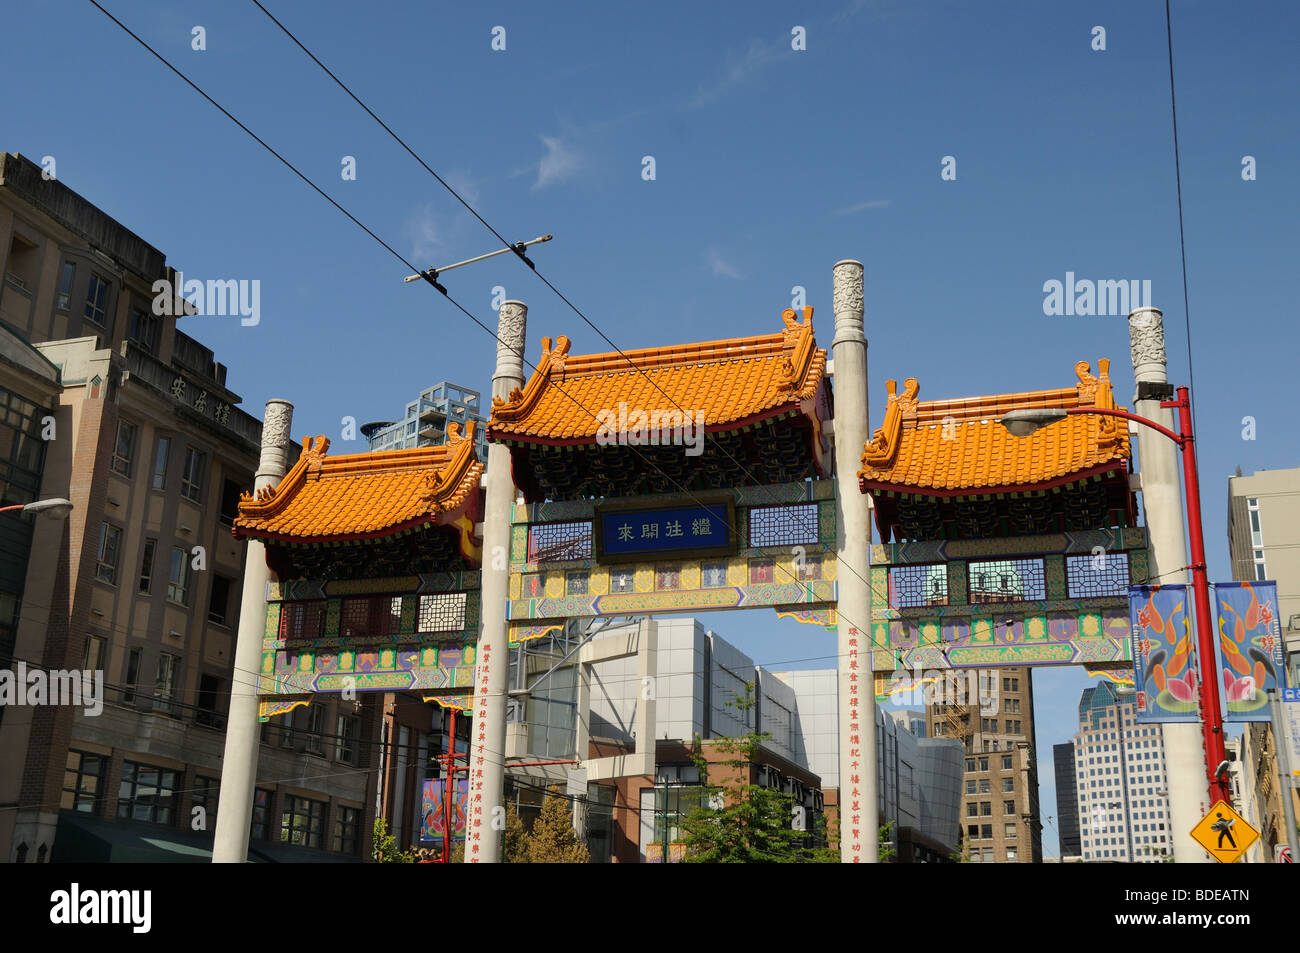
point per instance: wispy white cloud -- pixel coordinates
(721, 266)
(863, 206)
(560, 161)
(424, 233)
(740, 69)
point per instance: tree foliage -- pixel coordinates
(740, 822)
(553, 840)
(383, 849)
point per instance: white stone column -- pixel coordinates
(491, 664)
(243, 731)
(857, 697)
(1162, 503)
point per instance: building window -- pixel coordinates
(143, 329)
(110, 545)
(1008, 807)
(230, 493)
(986, 808)
(984, 786)
(93, 659)
(347, 831)
(146, 793)
(349, 731)
(82, 781)
(132, 675)
(192, 475)
(986, 833)
(204, 795)
(66, 276)
(984, 764)
(970, 787)
(1011, 854)
(315, 729)
(302, 620)
(972, 809)
(1009, 831)
(261, 805)
(124, 448)
(97, 300)
(1008, 784)
(303, 822)
(206, 703)
(164, 693)
(146, 564)
(219, 600)
(160, 463)
(178, 580)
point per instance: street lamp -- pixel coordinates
(1021, 423)
(57, 508)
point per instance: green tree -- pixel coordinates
(553, 840)
(515, 840)
(740, 822)
(383, 849)
(888, 850)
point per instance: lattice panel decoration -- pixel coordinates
(913, 586)
(1006, 580)
(302, 620)
(1102, 574)
(443, 612)
(371, 617)
(783, 525)
(559, 542)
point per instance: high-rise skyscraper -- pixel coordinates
(1123, 791)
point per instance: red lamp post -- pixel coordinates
(1024, 422)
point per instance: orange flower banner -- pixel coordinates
(1248, 647)
(1164, 655)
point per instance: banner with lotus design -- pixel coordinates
(1248, 647)
(1164, 654)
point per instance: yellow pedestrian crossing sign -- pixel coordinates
(1224, 833)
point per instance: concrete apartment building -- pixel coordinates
(1001, 818)
(1264, 543)
(1121, 781)
(142, 581)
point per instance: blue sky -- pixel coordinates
(771, 165)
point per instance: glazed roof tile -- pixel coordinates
(959, 446)
(364, 495)
(731, 383)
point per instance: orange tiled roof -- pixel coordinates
(731, 383)
(365, 495)
(955, 447)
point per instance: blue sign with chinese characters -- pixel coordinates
(626, 533)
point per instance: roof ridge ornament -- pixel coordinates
(880, 451)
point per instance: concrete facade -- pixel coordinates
(143, 581)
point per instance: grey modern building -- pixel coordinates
(427, 418)
(1067, 801)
